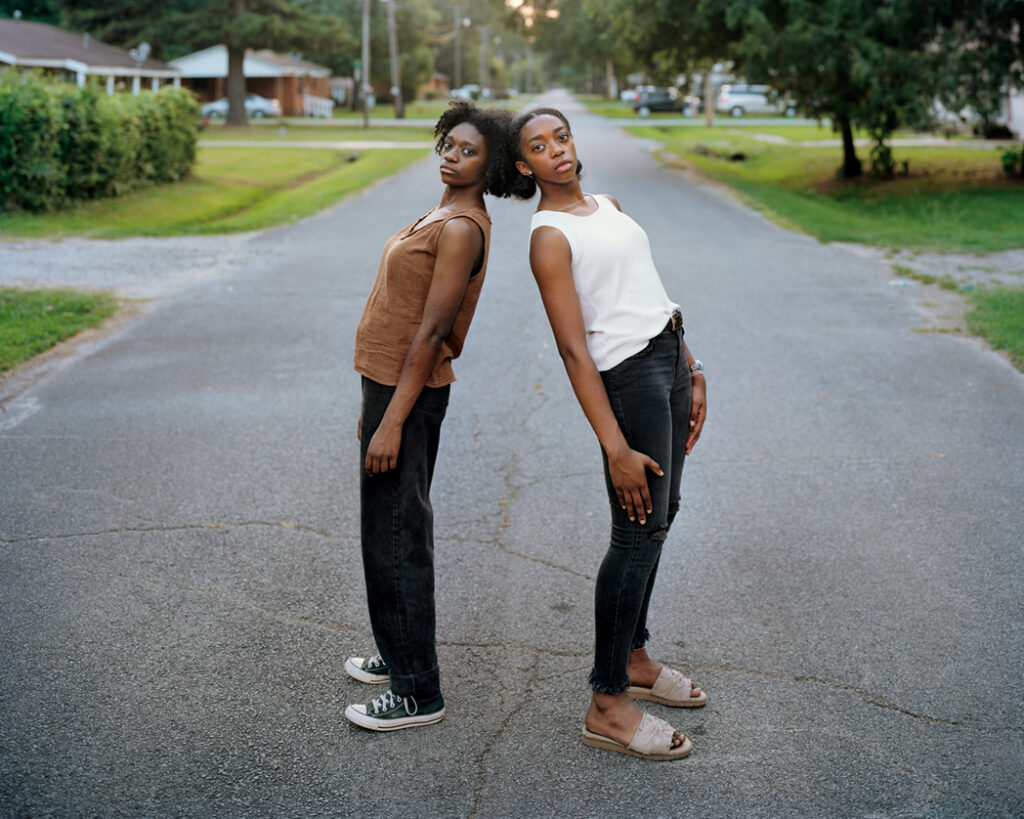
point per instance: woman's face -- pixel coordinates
(548, 152)
(463, 156)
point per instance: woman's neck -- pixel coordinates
(461, 198)
(560, 197)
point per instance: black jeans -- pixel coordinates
(650, 394)
(397, 527)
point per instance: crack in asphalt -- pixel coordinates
(866, 697)
(189, 527)
(483, 779)
(246, 603)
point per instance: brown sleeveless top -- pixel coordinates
(394, 310)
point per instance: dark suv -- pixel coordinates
(657, 99)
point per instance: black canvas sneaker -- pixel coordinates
(367, 669)
(391, 713)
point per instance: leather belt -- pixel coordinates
(675, 322)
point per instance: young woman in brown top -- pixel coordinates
(414, 324)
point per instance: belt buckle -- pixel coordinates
(676, 321)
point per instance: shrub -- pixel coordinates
(32, 173)
(60, 143)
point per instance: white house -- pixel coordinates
(75, 57)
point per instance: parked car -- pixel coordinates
(466, 92)
(627, 95)
(256, 107)
(737, 99)
(650, 99)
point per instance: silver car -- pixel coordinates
(256, 107)
(737, 99)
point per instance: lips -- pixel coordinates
(562, 167)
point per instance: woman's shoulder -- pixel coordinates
(607, 197)
(473, 213)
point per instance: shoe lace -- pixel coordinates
(385, 702)
(389, 700)
(374, 663)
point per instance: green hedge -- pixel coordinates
(60, 143)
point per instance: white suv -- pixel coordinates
(737, 99)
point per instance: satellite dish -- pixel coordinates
(140, 54)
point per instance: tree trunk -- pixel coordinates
(364, 85)
(236, 86)
(851, 165)
(236, 74)
(396, 76)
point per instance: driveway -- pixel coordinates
(180, 579)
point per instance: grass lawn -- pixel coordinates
(32, 321)
(952, 200)
(997, 315)
(340, 132)
(230, 190)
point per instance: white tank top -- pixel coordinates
(623, 301)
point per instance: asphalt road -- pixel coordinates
(180, 579)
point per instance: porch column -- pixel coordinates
(110, 85)
(136, 85)
(155, 85)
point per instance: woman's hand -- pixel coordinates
(628, 471)
(698, 409)
(382, 453)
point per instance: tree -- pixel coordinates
(985, 50)
(183, 25)
(126, 23)
(40, 11)
(867, 63)
(416, 24)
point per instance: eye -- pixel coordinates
(446, 145)
(537, 146)
(563, 137)
(468, 151)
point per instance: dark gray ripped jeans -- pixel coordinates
(397, 528)
(650, 395)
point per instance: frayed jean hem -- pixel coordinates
(601, 688)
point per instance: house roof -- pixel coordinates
(41, 45)
(213, 62)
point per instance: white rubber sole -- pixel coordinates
(357, 714)
(353, 667)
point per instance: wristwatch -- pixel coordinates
(696, 366)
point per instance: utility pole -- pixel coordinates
(396, 76)
(484, 44)
(365, 83)
(709, 94)
(458, 50)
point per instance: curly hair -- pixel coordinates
(493, 126)
(520, 186)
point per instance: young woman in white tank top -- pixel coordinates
(620, 337)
